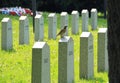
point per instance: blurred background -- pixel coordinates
(57, 5)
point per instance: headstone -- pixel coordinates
(66, 60)
(64, 21)
(6, 34)
(94, 18)
(86, 56)
(85, 18)
(39, 28)
(23, 30)
(40, 63)
(102, 50)
(75, 22)
(52, 26)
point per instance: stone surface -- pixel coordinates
(66, 60)
(6, 34)
(75, 22)
(64, 21)
(23, 30)
(86, 56)
(102, 50)
(39, 28)
(40, 63)
(85, 18)
(94, 18)
(52, 26)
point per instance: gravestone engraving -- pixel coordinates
(66, 60)
(40, 63)
(75, 22)
(94, 18)
(39, 28)
(6, 34)
(23, 30)
(102, 50)
(86, 55)
(64, 21)
(52, 26)
(85, 17)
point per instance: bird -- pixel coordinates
(62, 31)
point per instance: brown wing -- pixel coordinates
(61, 32)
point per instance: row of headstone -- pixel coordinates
(85, 19)
(64, 21)
(39, 27)
(7, 35)
(41, 58)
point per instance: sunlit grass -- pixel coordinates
(15, 65)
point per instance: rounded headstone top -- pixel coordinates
(85, 34)
(84, 11)
(93, 10)
(63, 13)
(74, 12)
(5, 19)
(39, 44)
(23, 17)
(102, 30)
(38, 16)
(65, 39)
(51, 15)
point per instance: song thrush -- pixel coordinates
(62, 31)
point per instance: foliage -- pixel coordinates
(57, 5)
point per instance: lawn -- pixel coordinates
(15, 64)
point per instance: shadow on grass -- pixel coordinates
(99, 80)
(95, 80)
(10, 50)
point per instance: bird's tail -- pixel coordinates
(57, 35)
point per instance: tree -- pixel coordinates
(114, 40)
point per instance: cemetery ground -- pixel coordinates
(15, 64)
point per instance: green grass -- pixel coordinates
(15, 64)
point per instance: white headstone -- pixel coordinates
(86, 55)
(64, 21)
(6, 34)
(94, 18)
(40, 63)
(52, 26)
(75, 22)
(23, 30)
(85, 18)
(66, 60)
(39, 28)
(102, 50)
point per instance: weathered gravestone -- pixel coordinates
(75, 22)
(85, 18)
(40, 63)
(86, 55)
(66, 60)
(39, 28)
(23, 30)
(94, 18)
(64, 21)
(102, 50)
(6, 34)
(52, 26)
